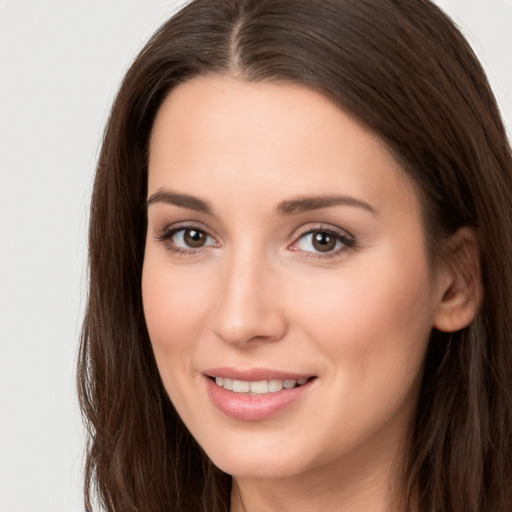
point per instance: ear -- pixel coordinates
(460, 282)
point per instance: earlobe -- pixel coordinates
(461, 287)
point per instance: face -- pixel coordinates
(286, 287)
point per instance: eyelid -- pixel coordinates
(329, 228)
(170, 229)
(346, 238)
(165, 235)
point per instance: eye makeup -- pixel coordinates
(317, 241)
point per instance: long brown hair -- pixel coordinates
(402, 68)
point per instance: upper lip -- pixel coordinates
(254, 374)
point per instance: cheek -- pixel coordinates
(373, 329)
(176, 303)
(175, 307)
(375, 321)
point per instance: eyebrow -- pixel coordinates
(288, 207)
(183, 200)
(305, 204)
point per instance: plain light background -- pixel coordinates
(60, 64)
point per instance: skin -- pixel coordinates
(259, 293)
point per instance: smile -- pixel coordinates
(258, 394)
(260, 387)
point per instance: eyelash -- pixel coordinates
(166, 237)
(346, 239)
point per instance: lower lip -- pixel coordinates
(246, 407)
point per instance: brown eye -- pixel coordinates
(194, 238)
(322, 241)
(187, 240)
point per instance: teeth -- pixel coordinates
(275, 385)
(261, 387)
(241, 386)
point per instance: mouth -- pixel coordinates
(259, 387)
(257, 394)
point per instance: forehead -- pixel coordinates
(218, 134)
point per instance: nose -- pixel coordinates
(249, 310)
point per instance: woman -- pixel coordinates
(299, 270)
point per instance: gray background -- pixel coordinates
(60, 65)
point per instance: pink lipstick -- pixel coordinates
(255, 394)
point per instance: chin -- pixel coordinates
(262, 460)
(263, 467)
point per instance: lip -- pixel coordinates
(247, 407)
(253, 374)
